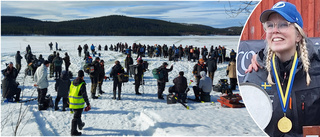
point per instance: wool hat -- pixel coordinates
(181, 73)
(287, 10)
(164, 63)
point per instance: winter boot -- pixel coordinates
(137, 90)
(17, 98)
(160, 95)
(100, 89)
(93, 91)
(56, 105)
(81, 125)
(93, 96)
(101, 92)
(119, 95)
(114, 95)
(74, 131)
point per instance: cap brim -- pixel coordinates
(265, 15)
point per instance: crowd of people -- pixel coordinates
(173, 53)
(74, 93)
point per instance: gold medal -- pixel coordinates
(284, 124)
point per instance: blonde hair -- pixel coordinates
(303, 53)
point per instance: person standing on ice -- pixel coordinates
(57, 61)
(50, 45)
(92, 49)
(94, 76)
(50, 59)
(200, 66)
(102, 75)
(138, 76)
(66, 60)
(56, 46)
(128, 62)
(62, 88)
(231, 72)
(162, 82)
(212, 66)
(115, 71)
(79, 50)
(41, 79)
(77, 98)
(18, 58)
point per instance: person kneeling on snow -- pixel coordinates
(9, 84)
(77, 98)
(180, 87)
(204, 88)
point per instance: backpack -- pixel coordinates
(89, 59)
(176, 51)
(145, 65)
(142, 49)
(88, 68)
(157, 73)
(133, 69)
(50, 58)
(123, 77)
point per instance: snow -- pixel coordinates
(133, 115)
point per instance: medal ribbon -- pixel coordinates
(284, 97)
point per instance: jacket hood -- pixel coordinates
(203, 74)
(77, 81)
(64, 75)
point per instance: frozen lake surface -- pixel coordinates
(133, 115)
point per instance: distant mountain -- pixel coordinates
(108, 25)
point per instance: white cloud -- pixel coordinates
(197, 12)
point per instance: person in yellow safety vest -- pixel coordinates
(77, 98)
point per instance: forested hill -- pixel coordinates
(114, 25)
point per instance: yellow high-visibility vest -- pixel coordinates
(76, 102)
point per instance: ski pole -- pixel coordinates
(188, 85)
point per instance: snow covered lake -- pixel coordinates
(134, 115)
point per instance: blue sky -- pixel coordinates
(211, 13)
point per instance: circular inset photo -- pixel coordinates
(278, 67)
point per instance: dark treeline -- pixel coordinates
(114, 25)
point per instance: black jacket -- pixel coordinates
(18, 58)
(67, 60)
(62, 86)
(198, 68)
(9, 84)
(115, 71)
(128, 61)
(97, 69)
(212, 64)
(83, 90)
(305, 99)
(101, 73)
(180, 84)
(165, 73)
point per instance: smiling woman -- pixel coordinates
(290, 66)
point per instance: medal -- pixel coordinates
(284, 124)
